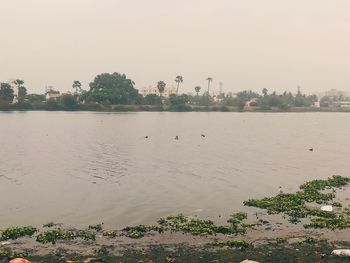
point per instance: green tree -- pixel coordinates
(161, 87)
(68, 101)
(197, 89)
(36, 98)
(152, 99)
(112, 88)
(178, 103)
(178, 80)
(209, 79)
(77, 86)
(6, 93)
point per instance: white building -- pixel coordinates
(334, 93)
(154, 90)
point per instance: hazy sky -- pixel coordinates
(246, 44)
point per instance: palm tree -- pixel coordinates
(197, 89)
(21, 90)
(77, 86)
(264, 91)
(209, 79)
(178, 80)
(161, 87)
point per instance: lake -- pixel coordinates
(81, 168)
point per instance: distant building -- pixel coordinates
(154, 90)
(52, 94)
(251, 103)
(334, 93)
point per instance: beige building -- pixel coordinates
(334, 93)
(154, 90)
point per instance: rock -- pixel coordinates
(327, 208)
(249, 261)
(341, 252)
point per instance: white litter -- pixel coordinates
(5, 243)
(341, 252)
(327, 208)
(249, 261)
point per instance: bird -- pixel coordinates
(311, 149)
(146, 137)
(203, 135)
(176, 137)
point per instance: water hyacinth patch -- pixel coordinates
(202, 227)
(140, 230)
(17, 232)
(52, 236)
(297, 205)
(97, 227)
(241, 244)
(50, 224)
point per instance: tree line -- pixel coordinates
(117, 89)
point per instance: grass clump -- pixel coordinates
(52, 236)
(17, 232)
(296, 205)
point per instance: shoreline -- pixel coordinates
(166, 108)
(292, 229)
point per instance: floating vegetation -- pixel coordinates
(140, 230)
(297, 205)
(97, 227)
(110, 233)
(241, 244)
(17, 232)
(202, 227)
(50, 224)
(8, 255)
(339, 222)
(52, 236)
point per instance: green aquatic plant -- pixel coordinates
(241, 244)
(140, 230)
(297, 205)
(52, 236)
(50, 224)
(110, 233)
(97, 227)
(8, 254)
(338, 222)
(17, 232)
(196, 226)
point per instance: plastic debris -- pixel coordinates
(19, 260)
(327, 208)
(4, 243)
(249, 261)
(341, 252)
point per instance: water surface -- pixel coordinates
(81, 168)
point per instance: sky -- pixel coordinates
(245, 44)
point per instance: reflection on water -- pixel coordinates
(82, 168)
